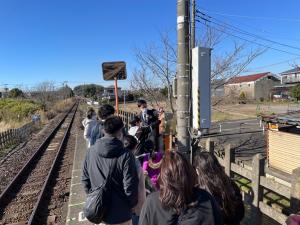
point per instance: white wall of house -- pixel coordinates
(290, 78)
(237, 89)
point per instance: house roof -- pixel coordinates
(295, 70)
(248, 78)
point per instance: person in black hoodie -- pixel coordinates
(124, 185)
(178, 201)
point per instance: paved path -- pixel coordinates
(77, 195)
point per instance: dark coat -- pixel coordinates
(151, 118)
(205, 212)
(125, 179)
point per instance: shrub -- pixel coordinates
(242, 96)
(17, 110)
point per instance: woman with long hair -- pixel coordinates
(178, 201)
(212, 178)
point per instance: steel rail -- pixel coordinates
(53, 166)
(34, 156)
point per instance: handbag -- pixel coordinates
(98, 199)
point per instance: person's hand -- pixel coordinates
(293, 220)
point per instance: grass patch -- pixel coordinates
(221, 116)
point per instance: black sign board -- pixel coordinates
(112, 70)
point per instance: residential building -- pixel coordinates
(3, 92)
(217, 87)
(289, 79)
(291, 76)
(109, 93)
(254, 86)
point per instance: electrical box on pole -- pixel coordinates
(201, 89)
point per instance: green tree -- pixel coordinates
(93, 91)
(65, 92)
(15, 93)
(295, 92)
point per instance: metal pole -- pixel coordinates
(124, 109)
(116, 95)
(183, 76)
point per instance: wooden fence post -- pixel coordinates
(210, 146)
(228, 159)
(295, 191)
(258, 166)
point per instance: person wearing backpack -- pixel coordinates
(122, 187)
(212, 178)
(179, 201)
(104, 112)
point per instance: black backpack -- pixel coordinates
(98, 199)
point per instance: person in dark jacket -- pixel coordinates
(104, 112)
(178, 201)
(141, 133)
(212, 178)
(149, 117)
(96, 166)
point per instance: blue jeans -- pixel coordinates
(135, 219)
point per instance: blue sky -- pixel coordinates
(64, 40)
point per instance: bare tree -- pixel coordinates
(157, 63)
(157, 69)
(44, 92)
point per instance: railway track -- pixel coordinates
(21, 200)
(16, 159)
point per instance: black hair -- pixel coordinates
(130, 142)
(113, 124)
(135, 120)
(106, 111)
(212, 177)
(90, 113)
(141, 102)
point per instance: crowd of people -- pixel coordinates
(149, 186)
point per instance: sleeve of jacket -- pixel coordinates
(85, 179)
(87, 131)
(144, 216)
(130, 179)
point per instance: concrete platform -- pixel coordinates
(77, 195)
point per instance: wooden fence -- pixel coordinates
(15, 136)
(260, 182)
(126, 117)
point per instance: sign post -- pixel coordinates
(117, 95)
(114, 71)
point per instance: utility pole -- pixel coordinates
(183, 76)
(193, 27)
(192, 45)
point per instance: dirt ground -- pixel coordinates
(235, 111)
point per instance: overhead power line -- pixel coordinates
(257, 17)
(247, 40)
(274, 64)
(252, 27)
(239, 30)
